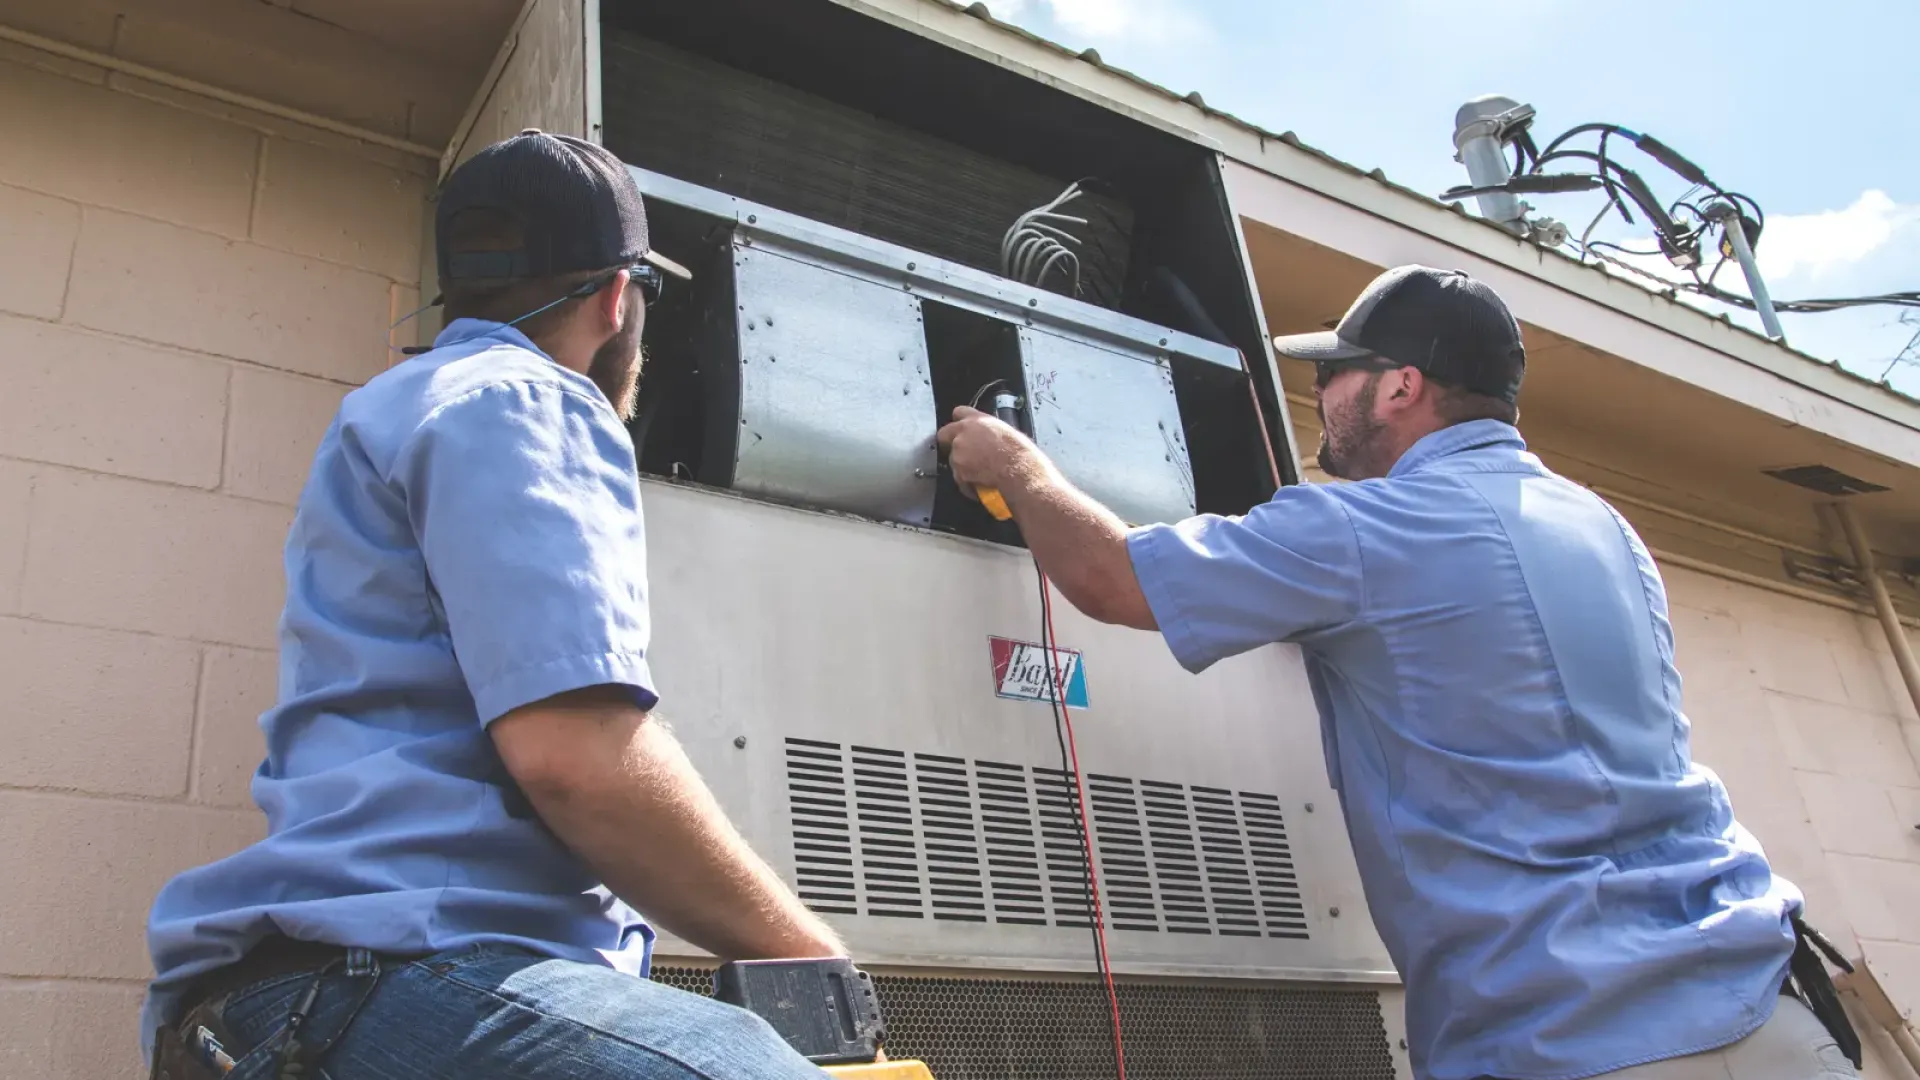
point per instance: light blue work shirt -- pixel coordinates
(469, 541)
(1563, 892)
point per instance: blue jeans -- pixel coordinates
(505, 1012)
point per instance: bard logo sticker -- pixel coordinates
(1020, 673)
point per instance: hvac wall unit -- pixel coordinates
(833, 619)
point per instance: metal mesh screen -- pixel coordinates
(1017, 1029)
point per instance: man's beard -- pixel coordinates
(1349, 437)
(615, 368)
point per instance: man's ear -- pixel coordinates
(1406, 385)
(608, 301)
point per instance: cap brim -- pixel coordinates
(668, 265)
(1325, 345)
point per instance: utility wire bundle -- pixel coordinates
(1680, 227)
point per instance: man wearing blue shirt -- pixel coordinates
(468, 800)
(1564, 893)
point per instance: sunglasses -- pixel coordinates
(646, 277)
(1325, 370)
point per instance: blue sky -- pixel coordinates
(1807, 107)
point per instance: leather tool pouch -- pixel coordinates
(197, 1048)
(1815, 986)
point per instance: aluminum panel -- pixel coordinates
(935, 278)
(774, 623)
(836, 405)
(1109, 419)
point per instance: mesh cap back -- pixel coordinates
(536, 205)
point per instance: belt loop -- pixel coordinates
(360, 963)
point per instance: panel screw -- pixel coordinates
(1033, 303)
(910, 266)
(1403, 1044)
(1309, 808)
(1334, 912)
(739, 742)
(753, 219)
(1163, 341)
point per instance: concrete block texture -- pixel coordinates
(236, 686)
(70, 1030)
(93, 402)
(1792, 661)
(16, 489)
(276, 423)
(96, 866)
(1857, 818)
(176, 286)
(1882, 896)
(37, 237)
(137, 156)
(127, 555)
(1848, 742)
(95, 710)
(343, 208)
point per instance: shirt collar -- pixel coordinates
(467, 331)
(1457, 439)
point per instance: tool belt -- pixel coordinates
(199, 1046)
(1808, 980)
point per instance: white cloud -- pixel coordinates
(1111, 20)
(1817, 245)
(1871, 246)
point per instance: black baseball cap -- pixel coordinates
(572, 203)
(1450, 326)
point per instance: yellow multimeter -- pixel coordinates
(1007, 408)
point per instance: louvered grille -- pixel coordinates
(942, 837)
(889, 843)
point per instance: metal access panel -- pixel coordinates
(836, 408)
(847, 691)
(1108, 418)
(835, 397)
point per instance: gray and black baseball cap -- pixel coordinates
(1450, 326)
(573, 205)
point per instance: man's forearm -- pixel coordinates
(646, 823)
(1080, 545)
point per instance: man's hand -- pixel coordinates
(982, 451)
(1081, 545)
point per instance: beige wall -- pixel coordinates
(186, 291)
(1799, 709)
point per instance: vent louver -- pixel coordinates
(1824, 479)
(886, 833)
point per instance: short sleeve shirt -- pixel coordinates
(469, 541)
(1563, 890)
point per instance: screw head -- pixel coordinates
(1033, 303)
(1334, 912)
(739, 742)
(753, 219)
(1309, 808)
(912, 266)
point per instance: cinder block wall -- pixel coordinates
(186, 292)
(1799, 709)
